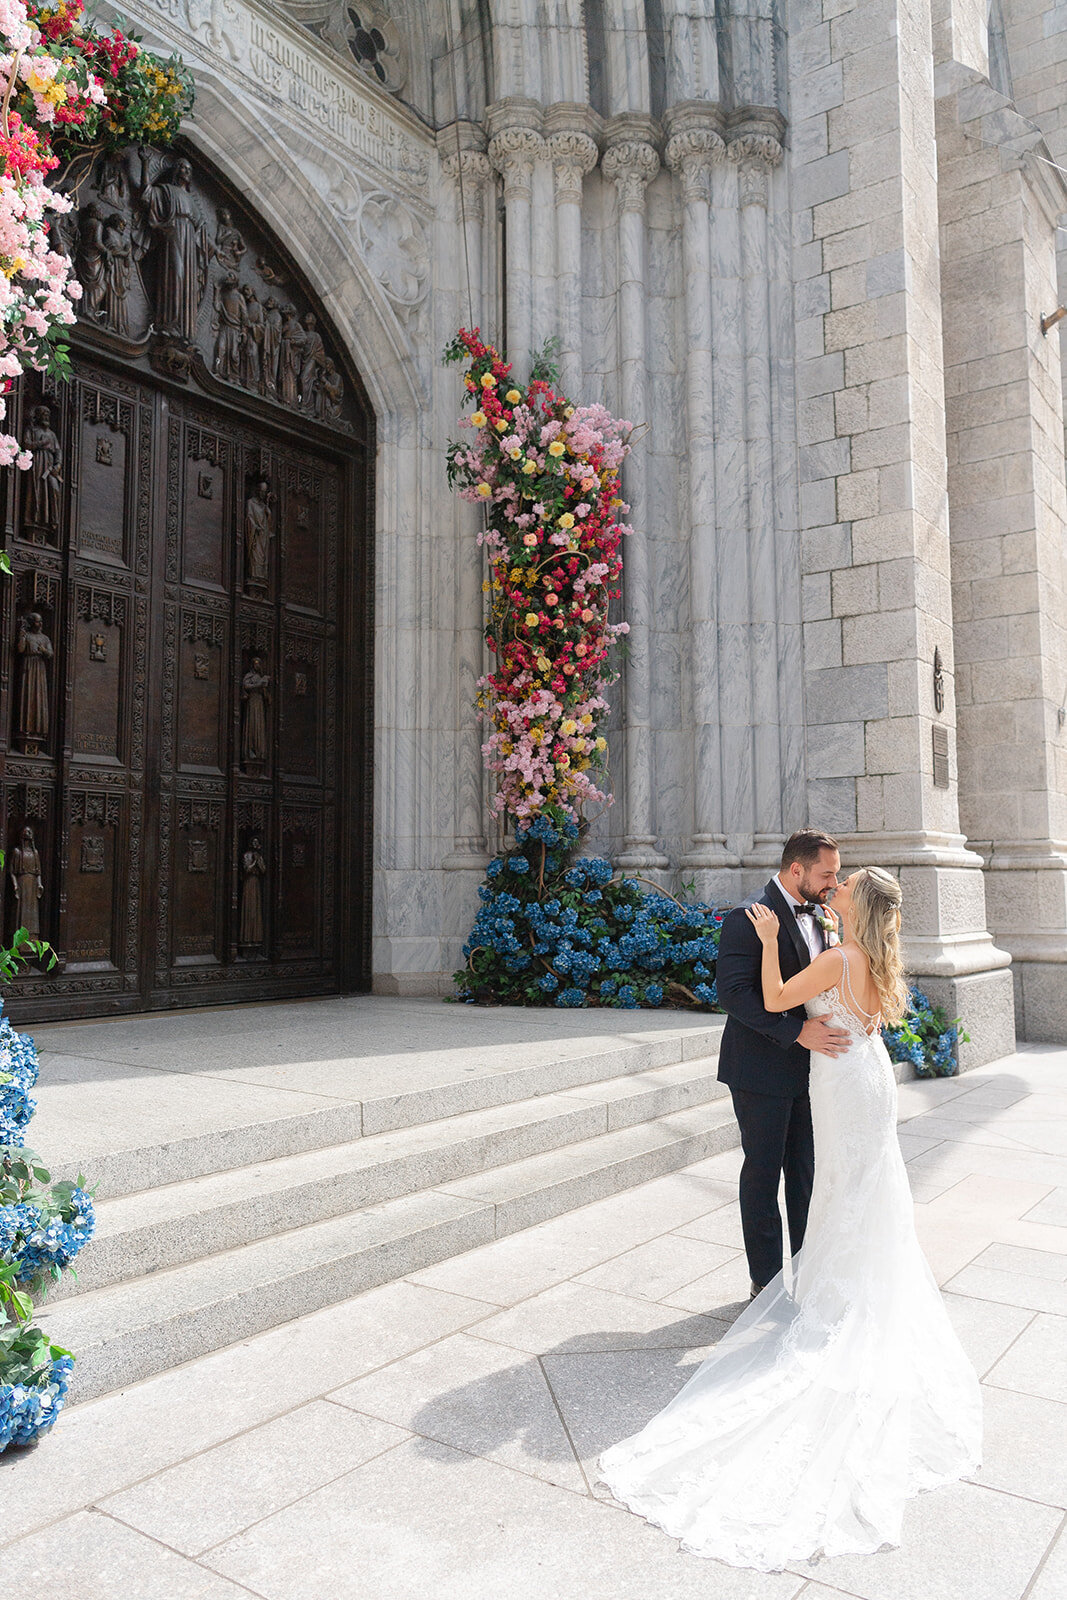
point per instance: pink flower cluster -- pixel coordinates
(37, 289)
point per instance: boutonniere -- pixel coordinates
(828, 923)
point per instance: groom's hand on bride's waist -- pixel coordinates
(822, 1037)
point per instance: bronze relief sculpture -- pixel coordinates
(35, 648)
(25, 871)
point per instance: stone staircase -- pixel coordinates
(203, 1242)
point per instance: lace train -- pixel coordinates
(823, 1409)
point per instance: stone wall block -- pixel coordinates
(862, 691)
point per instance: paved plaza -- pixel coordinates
(436, 1436)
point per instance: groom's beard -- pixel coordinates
(813, 895)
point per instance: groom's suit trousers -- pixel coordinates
(776, 1138)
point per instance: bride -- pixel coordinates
(835, 1397)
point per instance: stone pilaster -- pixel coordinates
(516, 148)
(756, 152)
(1000, 203)
(694, 148)
(573, 150)
(471, 178)
(631, 162)
(873, 486)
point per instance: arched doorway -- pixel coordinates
(186, 650)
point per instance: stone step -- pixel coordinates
(165, 1227)
(450, 1089)
(131, 1330)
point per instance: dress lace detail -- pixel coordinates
(842, 1389)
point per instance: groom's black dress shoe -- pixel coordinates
(753, 1290)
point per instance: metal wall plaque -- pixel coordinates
(940, 734)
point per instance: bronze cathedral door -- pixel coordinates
(186, 681)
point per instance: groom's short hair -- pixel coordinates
(805, 847)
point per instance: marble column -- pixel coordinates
(472, 191)
(573, 153)
(631, 164)
(514, 150)
(692, 151)
(756, 154)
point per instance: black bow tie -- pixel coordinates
(808, 910)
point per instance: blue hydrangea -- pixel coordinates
(548, 982)
(495, 868)
(29, 1411)
(518, 864)
(570, 997)
(18, 1074)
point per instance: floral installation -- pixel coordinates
(69, 91)
(43, 1227)
(547, 474)
(555, 930)
(926, 1039)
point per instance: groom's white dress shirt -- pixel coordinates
(810, 931)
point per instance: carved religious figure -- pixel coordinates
(255, 691)
(229, 244)
(259, 531)
(173, 214)
(252, 343)
(331, 392)
(313, 359)
(46, 481)
(25, 870)
(118, 254)
(272, 339)
(113, 183)
(35, 648)
(92, 258)
(228, 323)
(291, 357)
(253, 871)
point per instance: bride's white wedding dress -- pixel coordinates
(825, 1406)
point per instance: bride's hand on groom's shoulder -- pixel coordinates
(764, 921)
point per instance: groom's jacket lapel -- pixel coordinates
(783, 909)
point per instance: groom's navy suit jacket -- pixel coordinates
(759, 1052)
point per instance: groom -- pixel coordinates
(765, 1054)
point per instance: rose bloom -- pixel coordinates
(557, 447)
(529, 539)
(488, 381)
(587, 615)
(566, 520)
(531, 619)
(513, 397)
(528, 467)
(479, 419)
(484, 490)
(551, 599)
(501, 425)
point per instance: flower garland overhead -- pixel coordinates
(547, 474)
(65, 88)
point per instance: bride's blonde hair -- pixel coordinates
(874, 922)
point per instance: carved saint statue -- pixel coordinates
(252, 345)
(291, 357)
(253, 871)
(25, 869)
(113, 183)
(331, 392)
(228, 323)
(313, 360)
(272, 339)
(92, 259)
(259, 531)
(46, 481)
(255, 691)
(229, 245)
(35, 648)
(118, 271)
(173, 214)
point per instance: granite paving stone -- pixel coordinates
(573, 1316)
(963, 1542)
(1037, 1361)
(654, 1270)
(479, 1397)
(216, 1494)
(986, 1329)
(1051, 1580)
(1023, 1449)
(90, 1556)
(428, 1520)
(1053, 1208)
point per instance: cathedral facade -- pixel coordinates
(810, 246)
